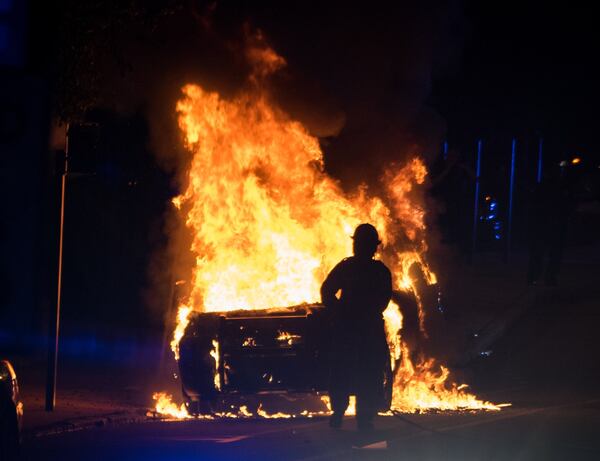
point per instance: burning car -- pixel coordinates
(249, 352)
(255, 352)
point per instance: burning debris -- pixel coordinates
(268, 224)
(288, 338)
(165, 406)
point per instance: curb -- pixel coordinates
(88, 422)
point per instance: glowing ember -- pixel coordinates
(287, 338)
(263, 414)
(268, 224)
(249, 342)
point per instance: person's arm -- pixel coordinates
(330, 287)
(385, 292)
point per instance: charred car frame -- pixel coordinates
(251, 352)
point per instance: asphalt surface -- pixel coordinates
(561, 432)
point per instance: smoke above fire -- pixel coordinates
(360, 77)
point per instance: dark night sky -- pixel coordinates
(526, 67)
(515, 67)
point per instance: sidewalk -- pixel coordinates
(91, 391)
(76, 412)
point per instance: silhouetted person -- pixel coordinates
(359, 352)
(451, 181)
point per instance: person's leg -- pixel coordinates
(369, 384)
(366, 408)
(339, 386)
(339, 401)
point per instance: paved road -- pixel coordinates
(561, 432)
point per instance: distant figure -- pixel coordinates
(551, 205)
(451, 182)
(360, 354)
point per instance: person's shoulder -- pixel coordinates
(346, 262)
(381, 266)
(343, 264)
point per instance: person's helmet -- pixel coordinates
(366, 233)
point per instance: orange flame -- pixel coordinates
(166, 407)
(268, 224)
(425, 388)
(265, 218)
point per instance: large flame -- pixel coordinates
(268, 224)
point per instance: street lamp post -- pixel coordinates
(55, 319)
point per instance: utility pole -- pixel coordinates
(53, 333)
